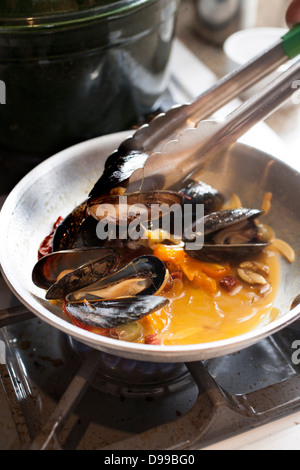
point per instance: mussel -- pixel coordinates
(198, 192)
(115, 312)
(99, 221)
(117, 171)
(78, 268)
(122, 210)
(78, 231)
(229, 232)
(145, 274)
(126, 295)
(66, 233)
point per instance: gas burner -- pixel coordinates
(121, 377)
(59, 385)
(62, 395)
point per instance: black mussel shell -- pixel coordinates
(48, 268)
(115, 312)
(223, 219)
(65, 234)
(215, 224)
(201, 193)
(86, 266)
(148, 270)
(124, 209)
(117, 171)
(87, 234)
(216, 221)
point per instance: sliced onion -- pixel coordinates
(130, 332)
(234, 202)
(266, 205)
(285, 249)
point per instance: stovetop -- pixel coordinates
(59, 394)
(56, 393)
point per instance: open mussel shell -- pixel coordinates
(145, 275)
(81, 267)
(230, 233)
(227, 218)
(124, 209)
(115, 312)
(66, 233)
(125, 296)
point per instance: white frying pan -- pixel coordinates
(60, 183)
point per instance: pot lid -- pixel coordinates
(22, 14)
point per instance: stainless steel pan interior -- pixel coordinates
(58, 184)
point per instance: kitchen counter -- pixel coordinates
(284, 122)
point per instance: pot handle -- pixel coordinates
(291, 42)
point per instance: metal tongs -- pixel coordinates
(173, 146)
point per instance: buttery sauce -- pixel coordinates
(203, 312)
(195, 315)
